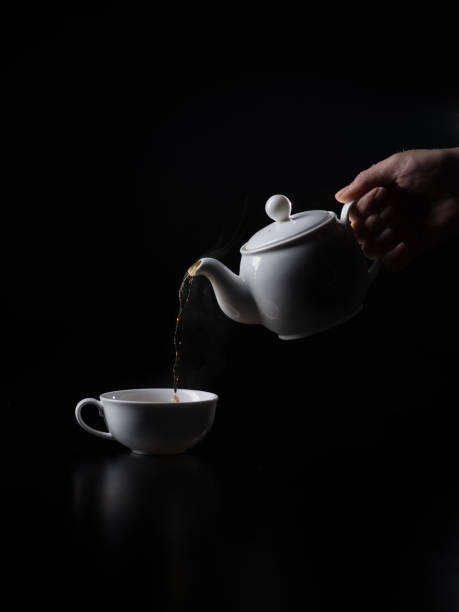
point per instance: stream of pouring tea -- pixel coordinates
(184, 296)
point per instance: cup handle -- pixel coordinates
(344, 218)
(97, 432)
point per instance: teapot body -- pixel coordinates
(309, 284)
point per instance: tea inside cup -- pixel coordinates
(158, 396)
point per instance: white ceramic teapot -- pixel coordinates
(300, 275)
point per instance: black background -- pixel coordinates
(137, 141)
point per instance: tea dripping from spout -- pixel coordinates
(184, 296)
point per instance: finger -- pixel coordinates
(374, 224)
(387, 217)
(367, 227)
(373, 202)
(354, 215)
(390, 216)
(397, 258)
(361, 232)
(387, 240)
(381, 174)
(381, 244)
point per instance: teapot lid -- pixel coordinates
(286, 227)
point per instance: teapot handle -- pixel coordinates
(344, 218)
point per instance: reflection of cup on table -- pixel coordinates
(148, 422)
(147, 527)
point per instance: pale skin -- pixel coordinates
(405, 204)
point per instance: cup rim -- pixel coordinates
(211, 397)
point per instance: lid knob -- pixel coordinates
(278, 208)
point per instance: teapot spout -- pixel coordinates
(232, 292)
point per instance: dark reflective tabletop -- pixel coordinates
(243, 530)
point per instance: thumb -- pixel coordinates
(381, 174)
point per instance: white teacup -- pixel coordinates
(149, 423)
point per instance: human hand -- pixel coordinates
(406, 204)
